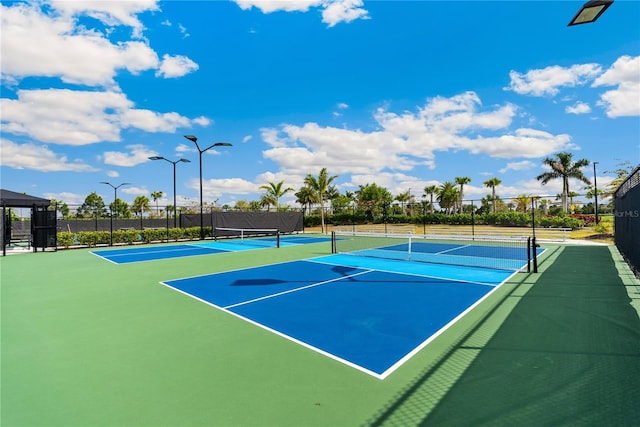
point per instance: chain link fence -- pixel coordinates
(627, 220)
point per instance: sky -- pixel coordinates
(404, 94)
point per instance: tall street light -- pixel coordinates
(174, 182)
(200, 151)
(115, 198)
(595, 191)
(115, 193)
(590, 12)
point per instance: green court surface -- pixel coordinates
(86, 342)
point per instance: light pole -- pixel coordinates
(595, 191)
(200, 151)
(115, 198)
(174, 182)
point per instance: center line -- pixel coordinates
(297, 289)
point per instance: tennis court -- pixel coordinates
(348, 308)
(163, 252)
(87, 342)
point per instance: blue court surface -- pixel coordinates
(154, 253)
(370, 314)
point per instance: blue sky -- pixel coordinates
(403, 94)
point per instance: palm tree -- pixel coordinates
(544, 204)
(522, 202)
(448, 196)
(140, 204)
(320, 185)
(332, 194)
(571, 195)
(493, 183)
(276, 191)
(431, 190)
(563, 167)
(305, 197)
(403, 198)
(268, 200)
(157, 195)
(462, 181)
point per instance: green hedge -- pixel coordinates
(505, 219)
(93, 238)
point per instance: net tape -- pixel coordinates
(504, 253)
(253, 236)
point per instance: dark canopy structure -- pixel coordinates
(42, 224)
(11, 199)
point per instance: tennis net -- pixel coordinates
(267, 237)
(504, 253)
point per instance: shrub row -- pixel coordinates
(506, 219)
(129, 237)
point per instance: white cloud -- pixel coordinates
(34, 43)
(38, 157)
(137, 154)
(184, 31)
(340, 106)
(71, 199)
(212, 189)
(176, 66)
(547, 81)
(184, 148)
(339, 11)
(63, 116)
(268, 6)
(625, 100)
(578, 108)
(151, 121)
(410, 139)
(518, 166)
(135, 191)
(202, 121)
(109, 12)
(333, 11)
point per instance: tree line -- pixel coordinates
(317, 190)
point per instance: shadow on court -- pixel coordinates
(567, 352)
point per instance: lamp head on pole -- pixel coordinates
(590, 12)
(156, 158)
(185, 160)
(191, 138)
(217, 144)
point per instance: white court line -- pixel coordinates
(297, 289)
(143, 252)
(453, 249)
(444, 279)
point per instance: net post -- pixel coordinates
(333, 242)
(214, 231)
(534, 247)
(277, 238)
(528, 254)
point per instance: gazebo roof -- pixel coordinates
(11, 199)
